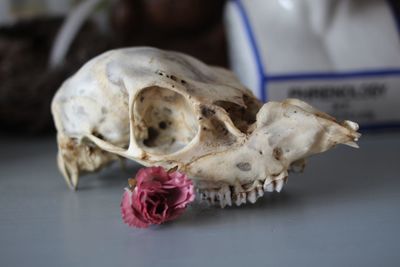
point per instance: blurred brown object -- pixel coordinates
(27, 85)
(177, 16)
(126, 17)
(193, 27)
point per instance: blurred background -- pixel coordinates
(341, 56)
(43, 42)
(28, 30)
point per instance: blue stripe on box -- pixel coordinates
(260, 68)
(334, 75)
(265, 78)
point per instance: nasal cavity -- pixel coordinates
(241, 116)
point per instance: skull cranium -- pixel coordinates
(169, 109)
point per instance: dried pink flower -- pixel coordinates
(157, 197)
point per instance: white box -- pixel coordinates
(342, 56)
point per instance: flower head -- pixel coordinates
(156, 197)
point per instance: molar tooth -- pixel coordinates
(279, 185)
(269, 187)
(238, 201)
(240, 198)
(229, 202)
(252, 196)
(228, 197)
(212, 197)
(258, 188)
(207, 198)
(243, 197)
(221, 198)
(222, 203)
(203, 195)
(220, 195)
(260, 191)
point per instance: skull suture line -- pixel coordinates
(169, 109)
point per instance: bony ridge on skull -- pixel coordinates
(168, 109)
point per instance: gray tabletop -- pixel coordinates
(342, 211)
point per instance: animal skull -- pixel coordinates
(169, 109)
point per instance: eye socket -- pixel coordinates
(165, 121)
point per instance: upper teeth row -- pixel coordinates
(225, 195)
